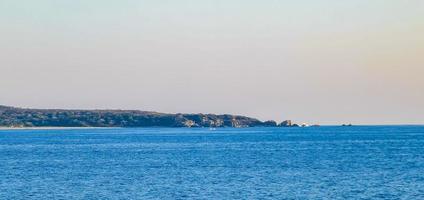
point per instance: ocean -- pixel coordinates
(358, 162)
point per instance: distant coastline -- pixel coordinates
(51, 128)
(28, 118)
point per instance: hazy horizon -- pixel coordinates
(323, 61)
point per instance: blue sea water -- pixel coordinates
(359, 162)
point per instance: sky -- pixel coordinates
(313, 61)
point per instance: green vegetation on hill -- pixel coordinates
(19, 117)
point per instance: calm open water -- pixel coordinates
(374, 162)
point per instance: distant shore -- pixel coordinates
(28, 117)
(51, 128)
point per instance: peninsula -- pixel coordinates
(25, 117)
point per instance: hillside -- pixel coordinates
(23, 117)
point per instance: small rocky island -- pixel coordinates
(24, 117)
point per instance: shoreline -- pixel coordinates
(82, 127)
(52, 128)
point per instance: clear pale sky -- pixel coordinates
(315, 61)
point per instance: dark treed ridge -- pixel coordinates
(24, 117)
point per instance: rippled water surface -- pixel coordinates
(375, 162)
